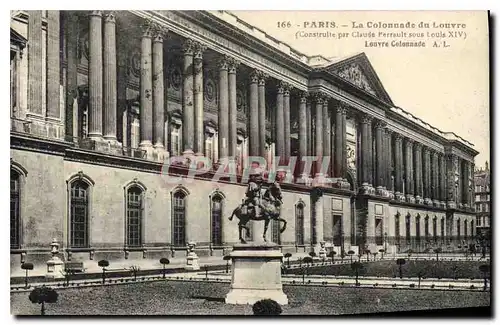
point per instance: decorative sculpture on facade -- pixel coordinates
(355, 75)
(259, 207)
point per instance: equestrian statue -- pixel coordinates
(259, 207)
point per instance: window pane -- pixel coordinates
(79, 215)
(179, 237)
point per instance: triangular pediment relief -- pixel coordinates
(358, 71)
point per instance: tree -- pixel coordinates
(342, 255)
(313, 255)
(227, 258)
(104, 264)
(356, 266)
(374, 255)
(400, 262)
(350, 253)
(164, 261)
(485, 269)
(437, 251)
(420, 275)
(287, 256)
(27, 267)
(367, 252)
(68, 272)
(42, 295)
(307, 260)
(135, 269)
(382, 251)
(332, 255)
(266, 307)
(409, 253)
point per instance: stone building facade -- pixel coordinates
(100, 100)
(483, 200)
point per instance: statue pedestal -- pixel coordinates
(55, 268)
(192, 262)
(256, 274)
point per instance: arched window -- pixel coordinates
(458, 229)
(397, 228)
(466, 229)
(179, 219)
(442, 228)
(299, 224)
(15, 215)
(79, 215)
(135, 212)
(216, 217)
(472, 227)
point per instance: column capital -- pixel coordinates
(366, 119)
(188, 46)
(159, 33)
(303, 95)
(255, 75)
(147, 29)
(342, 108)
(110, 17)
(233, 64)
(223, 62)
(379, 124)
(97, 13)
(417, 145)
(398, 137)
(198, 50)
(262, 78)
(318, 97)
(409, 142)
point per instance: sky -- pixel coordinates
(446, 87)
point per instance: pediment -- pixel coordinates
(358, 71)
(17, 39)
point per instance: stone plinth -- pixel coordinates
(55, 268)
(256, 274)
(192, 262)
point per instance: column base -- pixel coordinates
(442, 204)
(428, 201)
(366, 189)
(410, 198)
(304, 179)
(390, 194)
(379, 191)
(160, 154)
(341, 183)
(188, 153)
(399, 196)
(436, 203)
(319, 180)
(419, 200)
(112, 147)
(451, 205)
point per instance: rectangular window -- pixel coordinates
(179, 235)
(217, 221)
(397, 229)
(379, 231)
(135, 136)
(175, 141)
(14, 211)
(79, 216)
(337, 230)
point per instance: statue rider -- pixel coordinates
(253, 195)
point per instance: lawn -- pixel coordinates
(389, 268)
(189, 298)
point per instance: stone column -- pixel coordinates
(442, 180)
(338, 141)
(452, 161)
(35, 62)
(370, 157)
(109, 72)
(53, 64)
(398, 172)
(280, 123)
(199, 132)
(409, 186)
(380, 158)
(71, 29)
(188, 48)
(365, 125)
(390, 163)
(426, 176)
(158, 92)
(262, 114)
(254, 114)
(303, 131)
(233, 110)
(286, 114)
(95, 75)
(417, 159)
(465, 183)
(318, 125)
(146, 113)
(435, 178)
(344, 144)
(223, 113)
(327, 137)
(309, 112)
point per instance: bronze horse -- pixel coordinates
(271, 211)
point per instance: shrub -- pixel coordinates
(432, 286)
(266, 307)
(472, 287)
(412, 285)
(451, 286)
(394, 285)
